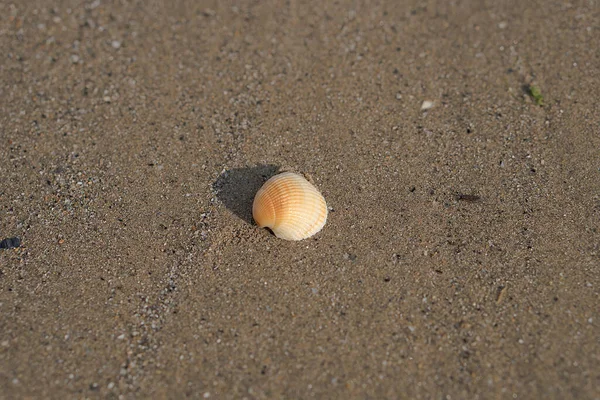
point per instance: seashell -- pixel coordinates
(290, 206)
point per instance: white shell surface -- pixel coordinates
(290, 206)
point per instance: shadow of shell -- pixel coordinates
(236, 188)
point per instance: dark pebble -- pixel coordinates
(468, 197)
(10, 243)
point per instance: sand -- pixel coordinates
(461, 255)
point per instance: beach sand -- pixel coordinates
(460, 259)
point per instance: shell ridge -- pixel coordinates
(265, 201)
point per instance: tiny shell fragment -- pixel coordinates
(427, 105)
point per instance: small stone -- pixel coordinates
(116, 44)
(74, 58)
(10, 243)
(427, 105)
(503, 25)
(106, 99)
(348, 256)
(206, 395)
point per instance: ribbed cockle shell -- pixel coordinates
(290, 206)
